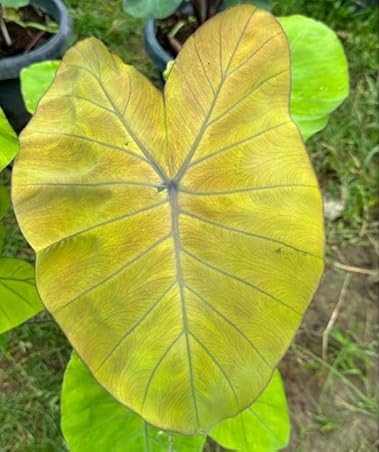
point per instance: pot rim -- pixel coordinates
(10, 67)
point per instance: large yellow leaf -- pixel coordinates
(179, 236)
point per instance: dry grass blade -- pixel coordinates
(333, 318)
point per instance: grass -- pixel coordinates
(345, 155)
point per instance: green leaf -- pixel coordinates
(264, 4)
(14, 3)
(320, 79)
(4, 201)
(180, 300)
(93, 420)
(19, 299)
(8, 142)
(150, 8)
(3, 233)
(35, 80)
(263, 427)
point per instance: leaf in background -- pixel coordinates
(157, 9)
(264, 4)
(35, 80)
(320, 78)
(91, 418)
(14, 3)
(179, 239)
(263, 427)
(8, 142)
(19, 299)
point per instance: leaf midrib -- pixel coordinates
(173, 188)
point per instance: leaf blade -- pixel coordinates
(116, 167)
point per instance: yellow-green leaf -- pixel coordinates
(179, 235)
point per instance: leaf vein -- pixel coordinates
(242, 190)
(237, 278)
(218, 365)
(245, 96)
(115, 273)
(91, 140)
(135, 325)
(104, 223)
(237, 143)
(251, 234)
(232, 324)
(204, 126)
(153, 372)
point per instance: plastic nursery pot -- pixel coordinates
(158, 54)
(11, 100)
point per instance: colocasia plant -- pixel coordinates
(179, 234)
(170, 227)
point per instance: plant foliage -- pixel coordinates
(14, 3)
(151, 8)
(263, 427)
(179, 236)
(90, 416)
(35, 79)
(320, 80)
(18, 294)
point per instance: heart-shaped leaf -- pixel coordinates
(320, 78)
(8, 141)
(179, 236)
(19, 299)
(92, 419)
(263, 427)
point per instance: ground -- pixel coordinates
(332, 394)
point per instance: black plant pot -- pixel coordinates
(158, 54)
(11, 100)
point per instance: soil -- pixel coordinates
(24, 39)
(184, 22)
(313, 391)
(165, 26)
